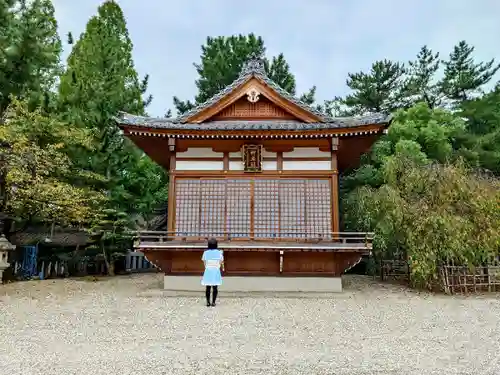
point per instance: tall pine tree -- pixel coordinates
(421, 85)
(29, 51)
(99, 81)
(380, 90)
(463, 77)
(221, 61)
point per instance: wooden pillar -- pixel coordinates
(226, 162)
(171, 187)
(335, 186)
(279, 160)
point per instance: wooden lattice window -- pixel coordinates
(238, 208)
(292, 208)
(318, 215)
(266, 208)
(188, 207)
(286, 208)
(213, 207)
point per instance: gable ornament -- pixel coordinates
(253, 95)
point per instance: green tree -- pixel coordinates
(430, 213)
(29, 52)
(111, 231)
(463, 77)
(99, 81)
(37, 169)
(479, 144)
(425, 133)
(380, 90)
(421, 84)
(222, 59)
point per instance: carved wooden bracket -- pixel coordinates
(171, 144)
(335, 144)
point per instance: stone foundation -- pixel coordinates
(258, 284)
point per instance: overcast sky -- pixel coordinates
(322, 40)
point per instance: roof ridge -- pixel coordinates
(254, 66)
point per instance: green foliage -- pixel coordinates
(429, 213)
(462, 76)
(413, 188)
(99, 81)
(479, 144)
(111, 226)
(421, 84)
(36, 169)
(221, 61)
(29, 52)
(111, 231)
(391, 85)
(376, 91)
(432, 129)
(422, 132)
(421, 207)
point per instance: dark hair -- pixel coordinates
(212, 243)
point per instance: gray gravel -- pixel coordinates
(126, 325)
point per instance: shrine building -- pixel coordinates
(257, 169)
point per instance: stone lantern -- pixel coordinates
(5, 247)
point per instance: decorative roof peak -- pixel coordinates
(254, 64)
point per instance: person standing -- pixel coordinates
(212, 278)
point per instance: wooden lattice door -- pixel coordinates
(213, 207)
(253, 208)
(292, 208)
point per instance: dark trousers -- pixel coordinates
(214, 293)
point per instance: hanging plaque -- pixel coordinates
(252, 158)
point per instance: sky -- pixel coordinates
(322, 40)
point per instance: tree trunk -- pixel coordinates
(110, 267)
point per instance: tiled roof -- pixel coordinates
(59, 237)
(174, 124)
(254, 67)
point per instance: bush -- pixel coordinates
(429, 213)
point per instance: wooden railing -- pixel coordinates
(199, 239)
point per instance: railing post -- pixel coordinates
(127, 262)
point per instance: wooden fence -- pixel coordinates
(460, 279)
(453, 278)
(134, 262)
(394, 270)
(137, 262)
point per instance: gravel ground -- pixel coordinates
(126, 325)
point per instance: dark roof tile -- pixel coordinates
(169, 124)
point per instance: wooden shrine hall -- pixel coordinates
(257, 169)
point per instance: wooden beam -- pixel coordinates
(264, 174)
